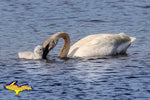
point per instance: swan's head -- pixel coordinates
(48, 45)
(38, 50)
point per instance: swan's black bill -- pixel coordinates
(45, 52)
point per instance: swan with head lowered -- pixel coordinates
(91, 46)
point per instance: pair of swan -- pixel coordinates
(90, 46)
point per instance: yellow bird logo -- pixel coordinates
(17, 88)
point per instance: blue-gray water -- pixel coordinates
(27, 23)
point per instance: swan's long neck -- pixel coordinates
(65, 49)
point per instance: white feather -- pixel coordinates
(101, 45)
(30, 55)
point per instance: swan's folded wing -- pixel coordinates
(79, 44)
(101, 44)
(93, 45)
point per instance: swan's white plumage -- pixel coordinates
(30, 55)
(101, 45)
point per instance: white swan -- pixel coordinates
(90, 46)
(30, 55)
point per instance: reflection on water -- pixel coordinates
(25, 24)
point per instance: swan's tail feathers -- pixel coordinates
(132, 39)
(122, 33)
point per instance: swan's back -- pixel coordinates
(101, 45)
(26, 55)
